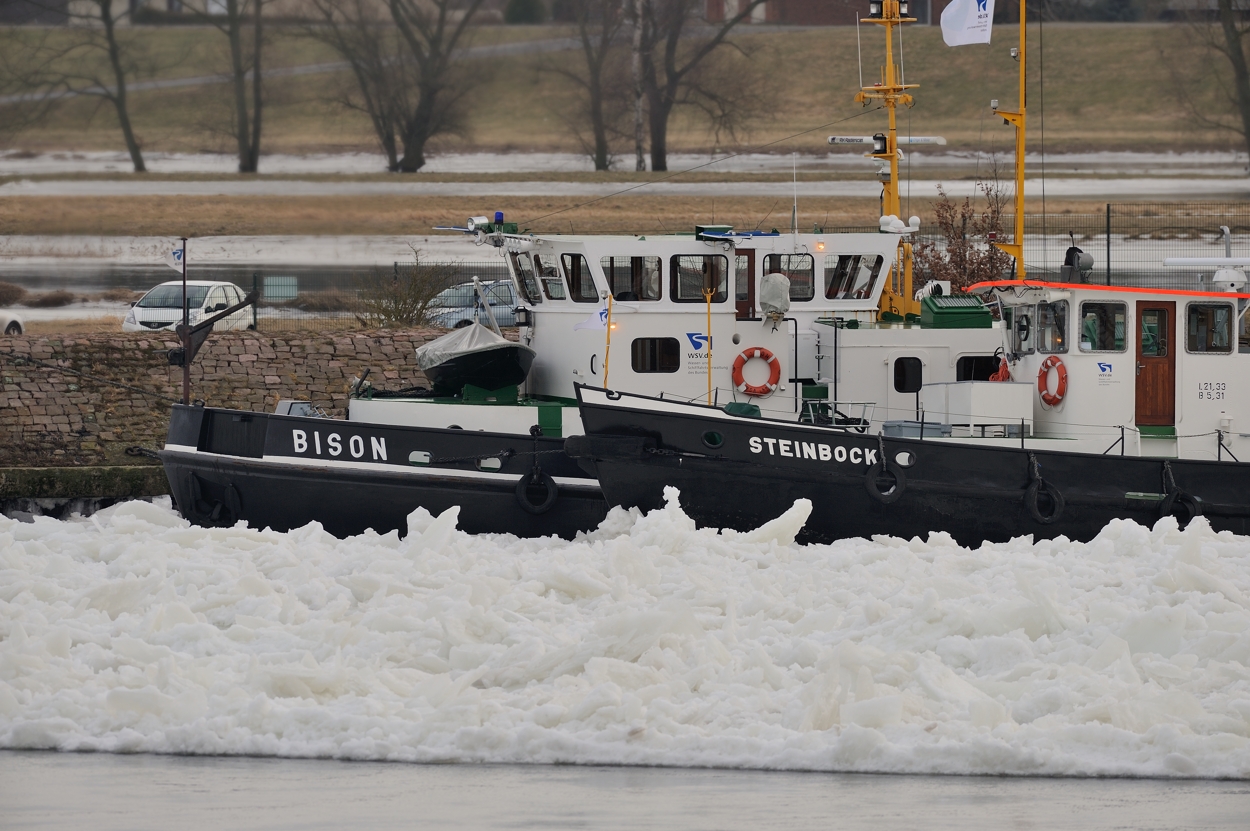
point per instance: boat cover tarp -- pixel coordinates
(466, 341)
(775, 294)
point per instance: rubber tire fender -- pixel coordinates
(1191, 504)
(522, 492)
(874, 488)
(1030, 501)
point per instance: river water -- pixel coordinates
(104, 792)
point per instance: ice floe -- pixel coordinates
(648, 641)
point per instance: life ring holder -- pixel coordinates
(1043, 381)
(774, 372)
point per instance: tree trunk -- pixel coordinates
(640, 162)
(659, 112)
(598, 125)
(1237, 57)
(119, 77)
(254, 150)
(234, 33)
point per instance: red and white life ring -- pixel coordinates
(774, 372)
(1043, 381)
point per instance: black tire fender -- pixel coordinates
(1035, 488)
(536, 477)
(1192, 505)
(873, 485)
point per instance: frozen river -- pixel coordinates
(135, 792)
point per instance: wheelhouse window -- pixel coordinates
(1243, 339)
(525, 278)
(690, 275)
(851, 276)
(1103, 327)
(975, 367)
(1020, 322)
(549, 277)
(1052, 327)
(632, 278)
(581, 281)
(800, 268)
(1209, 328)
(655, 355)
(742, 278)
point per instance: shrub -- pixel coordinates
(324, 301)
(402, 298)
(10, 294)
(121, 295)
(49, 299)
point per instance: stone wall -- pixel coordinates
(52, 417)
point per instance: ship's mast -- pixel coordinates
(1016, 247)
(891, 92)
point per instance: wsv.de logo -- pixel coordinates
(700, 343)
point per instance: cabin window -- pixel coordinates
(1209, 328)
(975, 367)
(1020, 321)
(526, 279)
(632, 278)
(655, 355)
(1052, 327)
(851, 276)
(1154, 333)
(1103, 327)
(1243, 340)
(691, 274)
(908, 375)
(581, 282)
(549, 277)
(800, 268)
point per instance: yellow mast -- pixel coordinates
(1016, 247)
(891, 92)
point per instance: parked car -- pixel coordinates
(454, 307)
(161, 307)
(13, 323)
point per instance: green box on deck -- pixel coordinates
(960, 311)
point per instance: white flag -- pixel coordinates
(598, 320)
(967, 21)
(174, 259)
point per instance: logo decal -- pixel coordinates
(1104, 367)
(981, 5)
(698, 340)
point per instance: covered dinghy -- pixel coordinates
(473, 355)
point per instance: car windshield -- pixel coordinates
(170, 297)
(456, 297)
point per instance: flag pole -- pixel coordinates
(186, 331)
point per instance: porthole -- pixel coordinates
(905, 458)
(490, 465)
(419, 457)
(713, 439)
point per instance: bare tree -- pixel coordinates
(1214, 90)
(599, 24)
(965, 256)
(671, 59)
(405, 64)
(244, 28)
(87, 59)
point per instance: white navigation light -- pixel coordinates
(475, 221)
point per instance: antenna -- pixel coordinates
(794, 214)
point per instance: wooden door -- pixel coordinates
(744, 283)
(1156, 363)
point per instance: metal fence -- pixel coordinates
(354, 299)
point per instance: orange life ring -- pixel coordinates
(1043, 381)
(774, 373)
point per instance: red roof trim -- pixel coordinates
(1035, 284)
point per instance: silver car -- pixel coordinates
(161, 308)
(459, 305)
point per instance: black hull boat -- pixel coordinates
(474, 355)
(283, 472)
(739, 472)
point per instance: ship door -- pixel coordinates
(1156, 363)
(744, 283)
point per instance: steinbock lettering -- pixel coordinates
(811, 450)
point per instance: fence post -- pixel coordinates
(255, 288)
(1108, 243)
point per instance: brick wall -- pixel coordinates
(51, 417)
